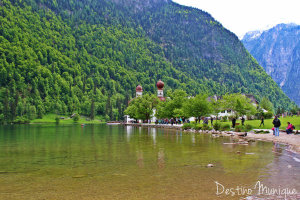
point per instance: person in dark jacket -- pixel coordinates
(277, 124)
(262, 121)
(243, 121)
(233, 122)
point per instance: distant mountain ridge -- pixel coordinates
(277, 51)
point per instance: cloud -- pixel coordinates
(241, 16)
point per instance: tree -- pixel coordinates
(266, 104)
(76, 117)
(162, 111)
(239, 104)
(173, 106)
(1, 118)
(294, 110)
(40, 111)
(216, 106)
(131, 110)
(92, 116)
(31, 112)
(142, 107)
(197, 106)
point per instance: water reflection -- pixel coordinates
(140, 159)
(193, 138)
(153, 134)
(131, 163)
(161, 159)
(129, 129)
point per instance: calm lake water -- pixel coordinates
(116, 162)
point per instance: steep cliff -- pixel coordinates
(277, 51)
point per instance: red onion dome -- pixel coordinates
(160, 84)
(139, 89)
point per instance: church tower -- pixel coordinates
(160, 90)
(139, 91)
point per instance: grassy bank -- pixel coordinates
(268, 123)
(51, 118)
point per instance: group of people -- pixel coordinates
(182, 120)
(172, 121)
(205, 120)
(277, 124)
(234, 121)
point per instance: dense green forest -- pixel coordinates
(87, 57)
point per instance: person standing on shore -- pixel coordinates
(262, 121)
(243, 121)
(277, 124)
(211, 121)
(172, 121)
(233, 122)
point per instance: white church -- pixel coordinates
(139, 92)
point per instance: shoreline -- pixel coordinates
(291, 141)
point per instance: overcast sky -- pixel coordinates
(241, 16)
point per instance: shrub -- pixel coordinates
(245, 128)
(187, 126)
(268, 115)
(21, 120)
(225, 127)
(205, 127)
(248, 127)
(76, 118)
(57, 119)
(224, 119)
(197, 127)
(238, 128)
(217, 126)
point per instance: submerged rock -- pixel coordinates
(242, 142)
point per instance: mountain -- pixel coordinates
(88, 56)
(277, 51)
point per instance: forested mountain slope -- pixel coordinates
(277, 50)
(88, 56)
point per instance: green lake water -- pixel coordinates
(116, 162)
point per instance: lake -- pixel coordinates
(117, 162)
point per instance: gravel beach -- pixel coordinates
(292, 140)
